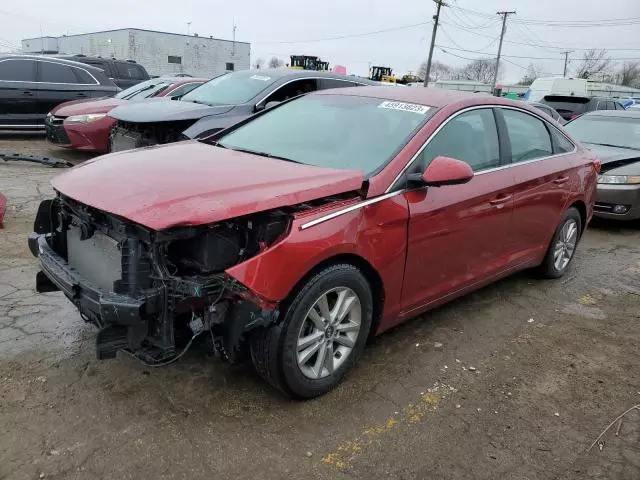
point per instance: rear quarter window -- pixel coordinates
(84, 77)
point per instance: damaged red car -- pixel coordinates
(298, 233)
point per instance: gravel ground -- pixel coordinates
(512, 382)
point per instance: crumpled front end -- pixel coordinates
(152, 293)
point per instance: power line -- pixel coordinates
(525, 56)
(481, 50)
(585, 23)
(350, 35)
(533, 44)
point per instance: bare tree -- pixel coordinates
(439, 71)
(480, 70)
(259, 63)
(593, 62)
(533, 72)
(629, 74)
(275, 62)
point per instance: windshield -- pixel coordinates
(617, 131)
(143, 89)
(333, 131)
(230, 89)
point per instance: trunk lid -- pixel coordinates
(192, 183)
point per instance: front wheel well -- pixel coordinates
(370, 273)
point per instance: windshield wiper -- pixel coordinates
(261, 154)
(612, 145)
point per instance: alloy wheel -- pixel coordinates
(565, 245)
(329, 332)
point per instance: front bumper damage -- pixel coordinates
(149, 312)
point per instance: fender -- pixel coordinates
(274, 273)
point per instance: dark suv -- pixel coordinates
(31, 85)
(124, 73)
(572, 106)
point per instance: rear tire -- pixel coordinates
(307, 354)
(563, 245)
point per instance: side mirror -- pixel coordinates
(442, 171)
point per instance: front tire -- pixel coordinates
(321, 336)
(563, 245)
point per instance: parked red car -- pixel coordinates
(300, 231)
(85, 125)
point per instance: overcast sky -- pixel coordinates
(267, 25)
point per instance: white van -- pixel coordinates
(555, 86)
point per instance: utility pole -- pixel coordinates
(504, 27)
(566, 61)
(436, 18)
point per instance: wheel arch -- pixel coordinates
(582, 210)
(362, 264)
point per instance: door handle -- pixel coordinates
(83, 95)
(27, 93)
(500, 200)
(560, 180)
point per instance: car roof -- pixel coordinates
(179, 80)
(66, 56)
(292, 73)
(58, 60)
(433, 97)
(613, 113)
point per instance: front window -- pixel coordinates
(621, 132)
(332, 131)
(231, 89)
(143, 90)
(471, 137)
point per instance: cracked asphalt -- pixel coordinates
(514, 381)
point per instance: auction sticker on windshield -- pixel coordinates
(406, 107)
(260, 77)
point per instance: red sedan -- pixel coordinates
(299, 232)
(84, 124)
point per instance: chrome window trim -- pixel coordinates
(348, 209)
(308, 78)
(47, 61)
(489, 170)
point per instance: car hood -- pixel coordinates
(83, 107)
(193, 183)
(622, 160)
(161, 110)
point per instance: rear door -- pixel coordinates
(457, 234)
(59, 83)
(18, 93)
(543, 175)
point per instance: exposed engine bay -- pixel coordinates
(126, 135)
(156, 289)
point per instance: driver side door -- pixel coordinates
(457, 234)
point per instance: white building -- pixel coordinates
(159, 53)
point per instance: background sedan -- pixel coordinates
(84, 125)
(614, 136)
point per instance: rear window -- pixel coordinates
(566, 106)
(130, 71)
